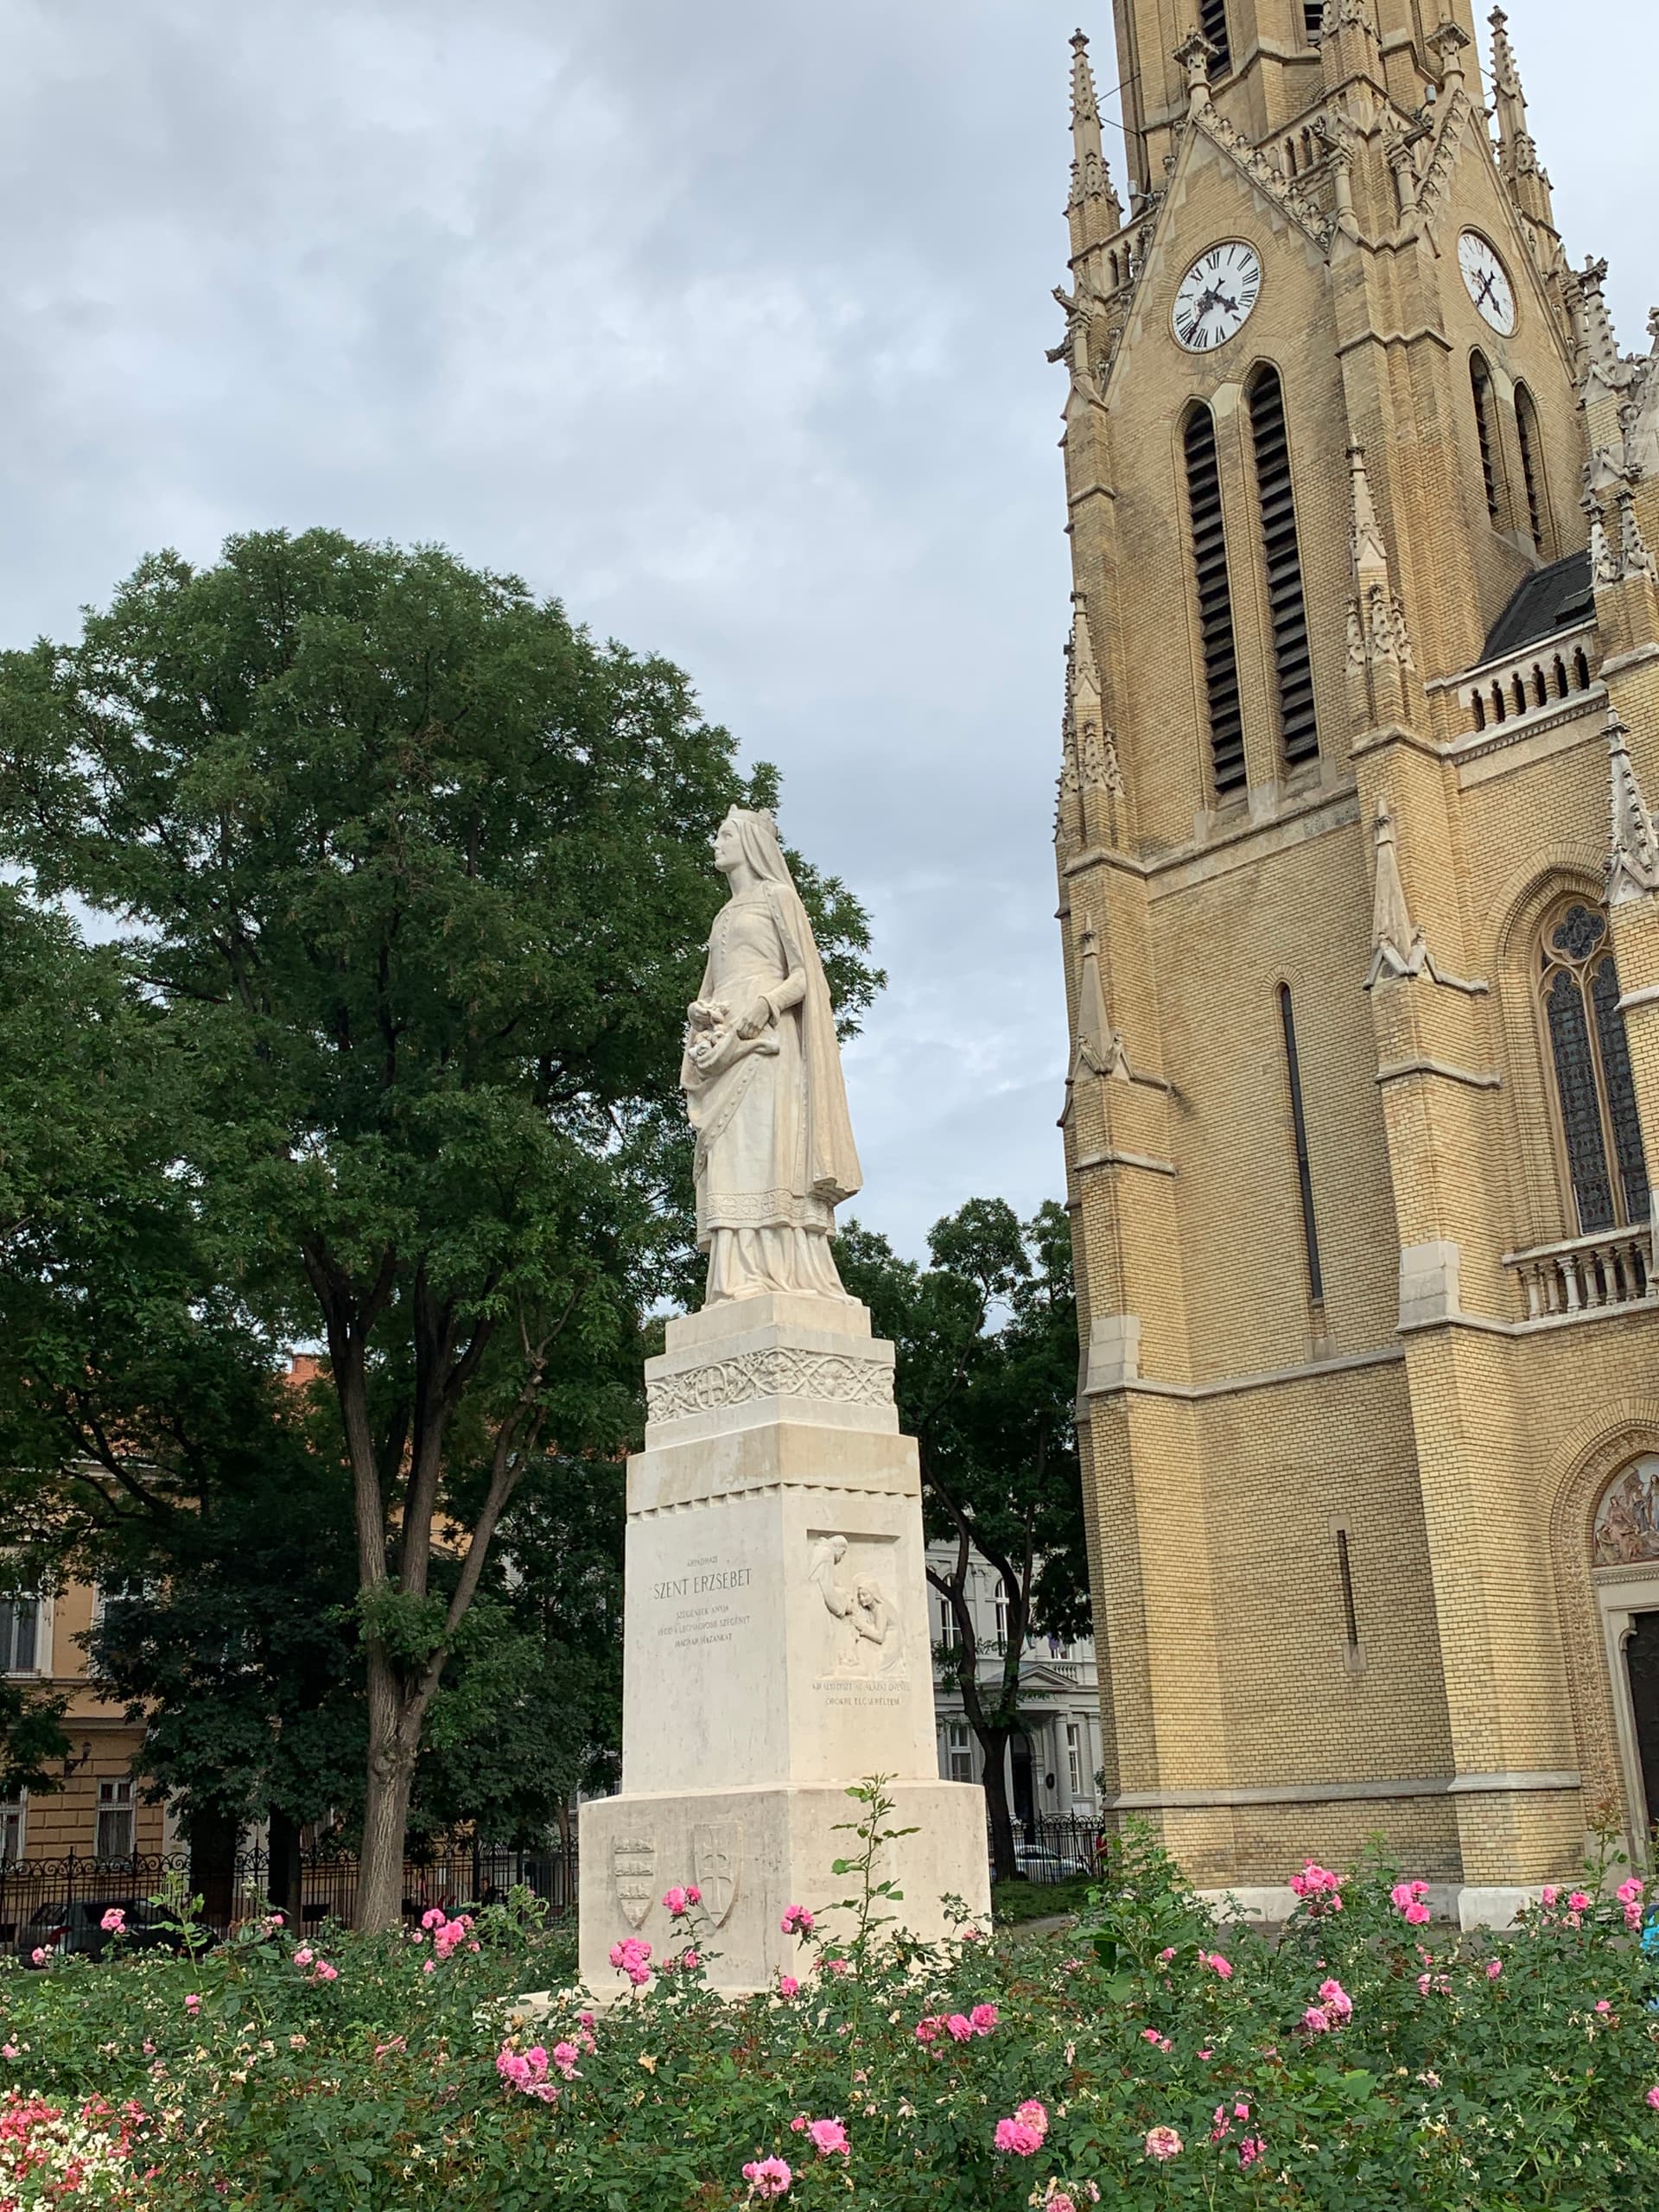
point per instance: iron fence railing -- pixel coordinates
(1055, 1846)
(57, 1902)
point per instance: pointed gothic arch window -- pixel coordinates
(1287, 601)
(1532, 465)
(1214, 603)
(1595, 1095)
(1480, 385)
(1312, 20)
(1212, 22)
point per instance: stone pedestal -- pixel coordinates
(777, 1645)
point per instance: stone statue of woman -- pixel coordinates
(763, 1085)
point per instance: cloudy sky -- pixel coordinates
(723, 320)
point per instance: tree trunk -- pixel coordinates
(213, 1866)
(386, 1802)
(283, 1873)
(993, 1743)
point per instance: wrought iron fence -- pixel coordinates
(1055, 1846)
(58, 1904)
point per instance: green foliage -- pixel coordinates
(379, 2091)
(412, 882)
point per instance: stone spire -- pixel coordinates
(1379, 642)
(1100, 1049)
(1396, 947)
(1517, 155)
(1595, 324)
(1094, 208)
(1633, 862)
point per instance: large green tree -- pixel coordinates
(411, 879)
(987, 1342)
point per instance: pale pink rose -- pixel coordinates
(564, 2055)
(1579, 1901)
(931, 2029)
(193, 2003)
(1602, 2005)
(689, 1962)
(429, 1966)
(304, 1956)
(829, 2138)
(1033, 2114)
(325, 1972)
(1633, 1913)
(1549, 1893)
(38, 1957)
(1163, 2143)
(837, 1965)
(1250, 2150)
(1315, 2021)
(1422, 1985)
(1628, 1891)
(1653, 2096)
(1494, 1967)
(768, 2177)
(1336, 2000)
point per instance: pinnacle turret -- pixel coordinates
(1094, 208)
(1517, 155)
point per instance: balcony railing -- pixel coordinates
(1586, 1275)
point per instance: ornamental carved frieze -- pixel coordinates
(777, 1372)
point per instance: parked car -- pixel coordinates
(1040, 1862)
(78, 1927)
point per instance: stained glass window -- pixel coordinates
(1594, 1087)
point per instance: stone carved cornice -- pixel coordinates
(776, 1372)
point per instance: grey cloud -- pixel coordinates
(724, 322)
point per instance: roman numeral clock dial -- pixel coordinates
(1487, 282)
(1216, 297)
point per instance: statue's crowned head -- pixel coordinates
(750, 834)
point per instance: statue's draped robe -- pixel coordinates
(774, 1149)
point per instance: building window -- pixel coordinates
(11, 1830)
(959, 1751)
(1345, 1576)
(1312, 20)
(113, 1839)
(1074, 1764)
(1532, 463)
(20, 1636)
(1595, 1096)
(1298, 1129)
(1212, 22)
(1215, 604)
(949, 1638)
(1288, 607)
(1480, 381)
(1002, 1616)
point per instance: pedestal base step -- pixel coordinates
(753, 1853)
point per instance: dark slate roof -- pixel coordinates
(1554, 599)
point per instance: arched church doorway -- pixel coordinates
(1625, 1575)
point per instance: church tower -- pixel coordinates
(1360, 894)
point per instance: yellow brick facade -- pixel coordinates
(1342, 1543)
(98, 1774)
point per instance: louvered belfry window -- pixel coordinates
(1215, 604)
(1594, 1089)
(1286, 604)
(1480, 381)
(1212, 22)
(1526, 430)
(1314, 20)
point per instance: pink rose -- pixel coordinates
(434, 1916)
(565, 2056)
(37, 1957)
(693, 1894)
(1550, 1893)
(1628, 1892)
(837, 1965)
(960, 2027)
(768, 2177)
(1653, 2096)
(1494, 1967)
(1417, 1913)
(1336, 2000)
(1250, 2150)
(1013, 2136)
(829, 2138)
(114, 1922)
(797, 1921)
(787, 1986)
(325, 1972)
(1033, 2114)
(928, 2029)
(983, 2019)
(1579, 1901)
(193, 2003)
(797, 2126)
(1163, 2143)
(304, 1956)
(1315, 2021)
(674, 1902)
(1218, 1966)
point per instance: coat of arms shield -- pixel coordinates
(633, 1865)
(716, 1860)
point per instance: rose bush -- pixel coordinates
(1364, 2059)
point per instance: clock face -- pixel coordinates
(1487, 282)
(1216, 297)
